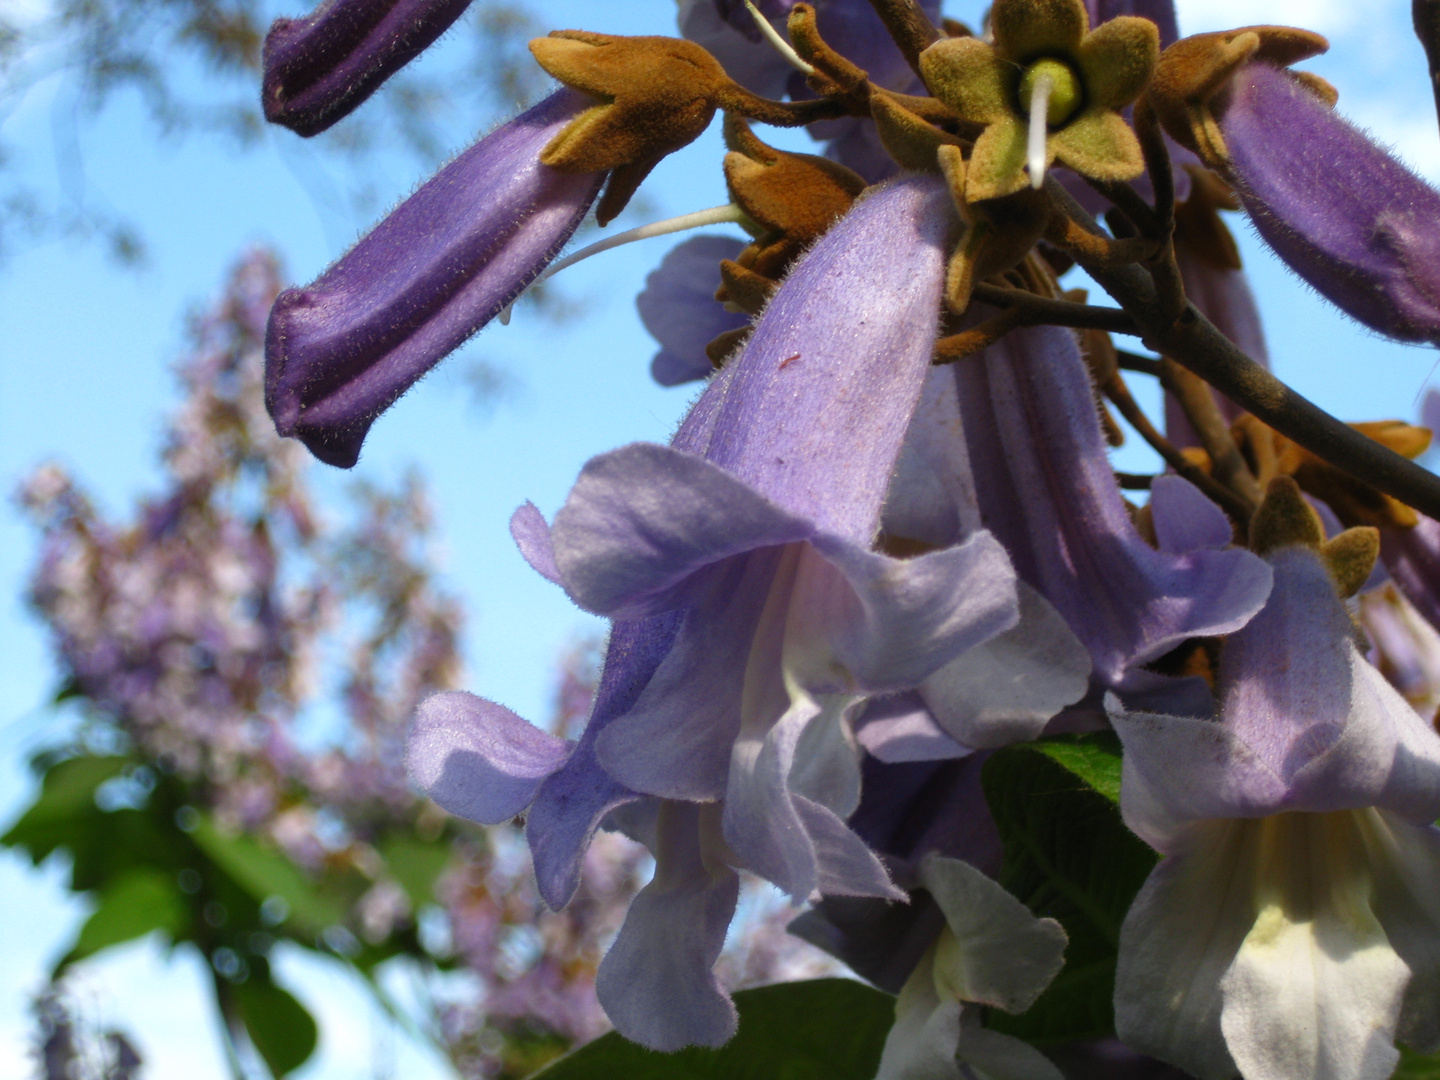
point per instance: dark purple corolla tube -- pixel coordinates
(339, 351)
(319, 69)
(1346, 216)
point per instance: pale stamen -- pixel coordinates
(1039, 128)
(781, 45)
(717, 215)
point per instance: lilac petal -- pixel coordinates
(1413, 558)
(821, 397)
(1033, 432)
(1006, 689)
(570, 805)
(846, 866)
(320, 68)
(932, 494)
(479, 760)
(656, 983)
(901, 619)
(679, 308)
(901, 728)
(642, 519)
(1346, 216)
(340, 351)
(531, 534)
(675, 739)
(1185, 519)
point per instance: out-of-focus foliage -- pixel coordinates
(194, 65)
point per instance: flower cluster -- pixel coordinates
(886, 545)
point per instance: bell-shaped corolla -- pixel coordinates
(319, 69)
(1290, 930)
(341, 350)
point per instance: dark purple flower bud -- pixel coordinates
(321, 68)
(340, 351)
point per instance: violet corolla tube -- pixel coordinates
(321, 68)
(341, 350)
(1345, 215)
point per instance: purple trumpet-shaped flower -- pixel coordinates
(679, 308)
(1413, 558)
(340, 351)
(321, 68)
(1346, 216)
(1047, 491)
(1289, 931)
(748, 544)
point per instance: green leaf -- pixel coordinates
(131, 906)
(1415, 1066)
(416, 864)
(823, 1029)
(282, 1030)
(67, 793)
(1068, 856)
(264, 872)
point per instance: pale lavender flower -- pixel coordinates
(1289, 930)
(341, 350)
(319, 69)
(679, 308)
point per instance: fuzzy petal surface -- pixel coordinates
(679, 309)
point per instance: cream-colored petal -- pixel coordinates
(1316, 988)
(1178, 940)
(993, 1056)
(966, 74)
(997, 164)
(923, 1040)
(1117, 60)
(994, 951)
(1026, 30)
(1099, 144)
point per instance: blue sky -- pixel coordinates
(85, 379)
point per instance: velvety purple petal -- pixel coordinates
(675, 738)
(531, 533)
(477, 759)
(656, 983)
(932, 494)
(1048, 494)
(569, 806)
(1345, 215)
(340, 351)
(847, 867)
(679, 308)
(1185, 519)
(642, 519)
(822, 395)
(320, 68)
(901, 728)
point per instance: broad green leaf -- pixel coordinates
(67, 793)
(131, 906)
(1415, 1066)
(416, 864)
(1070, 857)
(822, 1029)
(283, 1031)
(264, 872)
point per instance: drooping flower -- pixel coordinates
(1090, 76)
(740, 564)
(679, 308)
(341, 350)
(321, 68)
(1342, 212)
(1289, 930)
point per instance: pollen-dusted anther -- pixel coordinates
(656, 95)
(1193, 71)
(793, 199)
(1045, 52)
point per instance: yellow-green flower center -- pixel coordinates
(1066, 93)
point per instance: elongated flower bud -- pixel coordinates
(339, 351)
(319, 69)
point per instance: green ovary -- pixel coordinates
(1066, 92)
